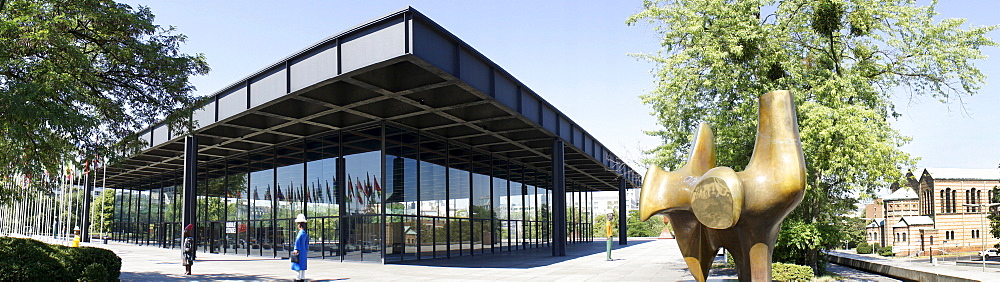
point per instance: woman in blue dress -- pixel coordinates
(299, 254)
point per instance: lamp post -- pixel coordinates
(982, 226)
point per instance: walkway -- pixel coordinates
(641, 260)
(949, 268)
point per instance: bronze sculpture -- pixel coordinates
(712, 207)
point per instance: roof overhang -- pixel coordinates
(401, 68)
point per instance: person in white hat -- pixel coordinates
(76, 237)
(299, 254)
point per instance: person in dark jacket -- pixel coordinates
(187, 248)
(301, 249)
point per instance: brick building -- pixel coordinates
(935, 210)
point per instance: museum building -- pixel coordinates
(396, 139)
(939, 210)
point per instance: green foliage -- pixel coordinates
(91, 264)
(790, 272)
(31, 260)
(864, 248)
(636, 227)
(78, 77)
(994, 215)
(102, 212)
(842, 60)
(886, 252)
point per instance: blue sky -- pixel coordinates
(574, 55)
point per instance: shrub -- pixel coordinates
(27, 259)
(790, 272)
(864, 248)
(886, 252)
(78, 260)
(30, 260)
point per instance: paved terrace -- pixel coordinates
(641, 260)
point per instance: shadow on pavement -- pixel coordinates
(154, 276)
(524, 258)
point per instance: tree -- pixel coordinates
(841, 59)
(79, 77)
(636, 227)
(102, 212)
(994, 213)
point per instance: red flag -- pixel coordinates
(357, 184)
(350, 189)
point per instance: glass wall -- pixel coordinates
(376, 193)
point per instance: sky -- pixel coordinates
(574, 55)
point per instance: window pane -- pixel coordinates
(363, 170)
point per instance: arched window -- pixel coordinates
(904, 237)
(968, 200)
(954, 195)
(947, 200)
(974, 200)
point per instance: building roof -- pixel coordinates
(914, 220)
(403, 69)
(877, 222)
(964, 173)
(902, 194)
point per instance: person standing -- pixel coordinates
(611, 233)
(300, 253)
(187, 248)
(76, 237)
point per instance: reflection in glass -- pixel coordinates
(437, 197)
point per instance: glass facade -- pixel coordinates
(375, 193)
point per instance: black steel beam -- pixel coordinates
(85, 232)
(189, 182)
(622, 213)
(558, 198)
(342, 203)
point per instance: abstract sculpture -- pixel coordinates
(712, 207)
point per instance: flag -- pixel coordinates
(267, 193)
(350, 190)
(328, 191)
(305, 193)
(279, 196)
(368, 185)
(329, 196)
(378, 188)
(357, 184)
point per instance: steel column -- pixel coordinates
(85, 217)
(558, 198)
(622, 213)
(342, 204)
(190, 182)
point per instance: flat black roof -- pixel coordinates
(402, 68)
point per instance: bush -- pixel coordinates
(864, 248)
(790, 272)
(79, 260)
(27, 259)
(30, 260)
(886, 252)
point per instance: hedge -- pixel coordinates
(865, 248)
(790, 272)
(32, 260)
(886, 252)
